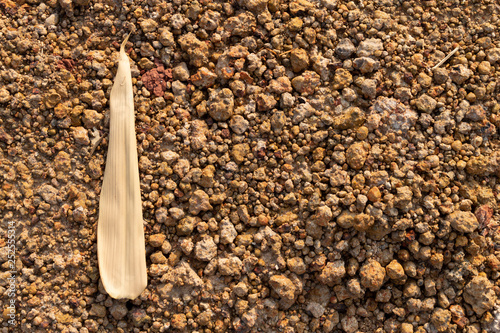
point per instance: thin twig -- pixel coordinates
(283, 53)
(272, 51)
(445, 58)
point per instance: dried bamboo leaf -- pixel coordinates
(120, 234)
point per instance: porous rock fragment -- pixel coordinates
(372, 275)
(221, 104)
(480, 295)
(465, 222)
(198, 202)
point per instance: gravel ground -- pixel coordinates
(304, 165)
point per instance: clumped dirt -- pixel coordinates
(304, 165)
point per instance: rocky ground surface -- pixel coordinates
(304, 166)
